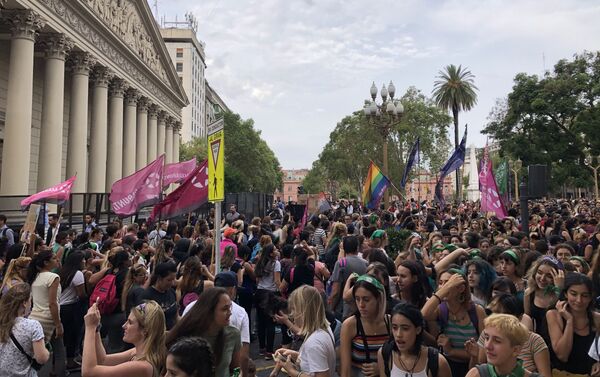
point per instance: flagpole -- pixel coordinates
(390, 181)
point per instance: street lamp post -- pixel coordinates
(384, 116)
(594, 163)
(515, 166)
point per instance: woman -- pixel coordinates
(480, 276)
(133, 287)
(504, 337)
(144, 329)
(16, 273)
(510, 263)
(546, 279)
(72, 283)
(412, 284)
(245, 291)
(211, 321)
(404, 354)
(192, 283)
(268, 279)
(503, 285)
(366, 331)
(580, 264)
(15, 328)
(161, 290)
(164, 253)
(458, 317)
(316, 357)
(572, 327)
(534, 352)
(45, 291)
(190, 357)
(301, 273)
(564, 252)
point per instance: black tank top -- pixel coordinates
(579, 361)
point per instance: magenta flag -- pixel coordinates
(177, 172)
(56, 194)
(189, 196)
(490, 199)
(138, 190)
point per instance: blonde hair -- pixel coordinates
(510, 327)
(12, 272)
(306, 303)
(132, 274)
(152, 320)
(337, 230)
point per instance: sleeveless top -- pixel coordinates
(579, 361)
(399, 372)
(364, 347)
(537, 314)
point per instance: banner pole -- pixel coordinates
(217, 242)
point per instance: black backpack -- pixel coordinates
(432, 359)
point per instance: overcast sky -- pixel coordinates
(297, 67)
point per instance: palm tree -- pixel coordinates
(454, 90)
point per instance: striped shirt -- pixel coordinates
(459, 334)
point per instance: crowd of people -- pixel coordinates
(409, 290)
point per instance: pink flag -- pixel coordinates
(188, 197)
(56, 194)
(138, 190)
(490, 199)
(177, 172)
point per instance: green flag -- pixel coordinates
(502, 177)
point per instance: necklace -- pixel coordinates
(454, 315)
(409, 372)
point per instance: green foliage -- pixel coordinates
(396, 240)
(250, 165)
(355, 142)
(553, 120)
(195, 148)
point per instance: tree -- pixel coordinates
(354, 143)
(455, 91)
(195, 148)
(553, 120)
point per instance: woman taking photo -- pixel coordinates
(546, 279)
(572, 327)
(316, 357)
(504, 337)
(190, 357)
(404, 354)
(192, 283)
(144, 329)
(45, 291)
(15, 328)
(268, 280)
(366, 331)
(459, 319)
(211, 322)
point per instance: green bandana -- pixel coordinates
(456, 271)
(371, 280)
(518, 371)
(379, 233)
(512, 255)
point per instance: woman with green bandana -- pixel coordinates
(459, 319)
(364, 333)
(510, 264)
(546, 279)
(580, 265)
(504, 336)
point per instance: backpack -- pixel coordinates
(432, 359)
(445, 313)
(485, 372)
(329, 284)
(106, 294)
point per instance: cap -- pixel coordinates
(229, 232)
(226, 279)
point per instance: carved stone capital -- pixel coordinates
(143, 104)
(170, 121)
(176, 127)
(131, 96)
(116, 88)
(23, 23)
(101, 76)
(162, 116)
(56, 45)
(81, 62)
(153, 111)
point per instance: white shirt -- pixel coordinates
(317, 353)
(239, 319)
(593, 352)
(69, 295)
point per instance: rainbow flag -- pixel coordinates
(374, 187)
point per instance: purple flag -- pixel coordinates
(490, 199)
(56, 194)
(188, 197)
(138, 190)
(176, 172)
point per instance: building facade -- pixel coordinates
(187, 54)
(87, 88)
(422, 186)
(214, 106)
(292, 179)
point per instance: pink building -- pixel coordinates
(422, 186)
(292, 179)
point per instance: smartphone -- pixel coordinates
(280, 357)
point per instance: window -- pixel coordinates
(179, 53)
(179, 67)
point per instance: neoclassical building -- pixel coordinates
(86, 87)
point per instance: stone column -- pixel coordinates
(176, 141)
(162, 117)
(152, 132)
(142, 133)
(129, 124)
(99, 131)
(169, 141)
(16, 151)
(114, 159)
(51, 132)
(81, 62)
